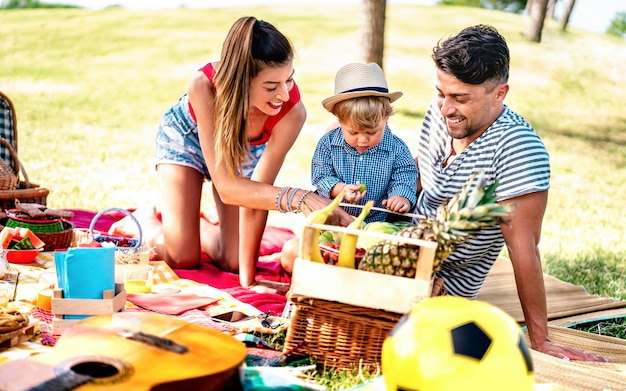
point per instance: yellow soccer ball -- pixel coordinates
(452, 343)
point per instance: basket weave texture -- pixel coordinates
(582, 375)
(338, 335)
(24, 191)
(8, 175)
(139, 253)
(345, 328)
(58, 240)
(53, 240)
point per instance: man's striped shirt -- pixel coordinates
(509, 151)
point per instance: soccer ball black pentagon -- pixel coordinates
(452, 343)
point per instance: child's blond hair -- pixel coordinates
(365, 112)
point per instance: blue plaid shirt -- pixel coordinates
(388, 169)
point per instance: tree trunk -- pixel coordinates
(529, 4)
(567, 12)
(551, 7)
(538, 11)
(373, 30)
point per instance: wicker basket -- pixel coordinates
(337, 319)
(338, 335)
(136, 253)
(24, 191)
(53, 240)
(8, 175)
(58, 240)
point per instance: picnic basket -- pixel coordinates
(337, 318)
(127, 250)
(8, 173)
(23, 190)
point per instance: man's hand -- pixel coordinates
(567, 353)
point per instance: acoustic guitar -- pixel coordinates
(131, 351)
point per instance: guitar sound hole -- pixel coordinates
(96, 370)
(102, 369)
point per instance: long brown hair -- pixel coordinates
(250, 45)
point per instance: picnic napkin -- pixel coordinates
(170, 303)
(85, 272)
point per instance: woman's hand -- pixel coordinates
(314, 201)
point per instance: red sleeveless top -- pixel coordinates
(294, 97)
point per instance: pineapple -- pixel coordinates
(457, 220)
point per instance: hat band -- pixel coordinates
(377, 89)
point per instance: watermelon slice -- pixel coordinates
(24, 244)
(6, 236)
(26, 233)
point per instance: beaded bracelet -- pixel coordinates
(301, 200)
(290, 199)
(279, 199)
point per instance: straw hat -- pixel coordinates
(356, 80)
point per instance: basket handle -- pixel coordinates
(127, 213)
(17, 164)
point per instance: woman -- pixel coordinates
(234, 126)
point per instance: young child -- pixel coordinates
(362, 156)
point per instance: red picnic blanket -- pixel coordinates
(208, 273)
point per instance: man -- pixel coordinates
(469, 128)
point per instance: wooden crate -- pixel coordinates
(340, 316)
(110, 303)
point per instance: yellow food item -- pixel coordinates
(137, 286)
(318, 217)
(347, 250)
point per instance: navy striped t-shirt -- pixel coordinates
(509, 151)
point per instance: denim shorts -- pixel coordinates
(177, 142)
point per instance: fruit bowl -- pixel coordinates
(22, 256)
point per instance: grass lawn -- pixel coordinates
(90, 86)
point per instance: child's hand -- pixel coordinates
(354, 193)
(397, 204)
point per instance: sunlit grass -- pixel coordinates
(615, 327)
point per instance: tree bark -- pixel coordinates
(538, 11)
(567, 12)
(551, 7)
(529, 4)
(373, 30)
